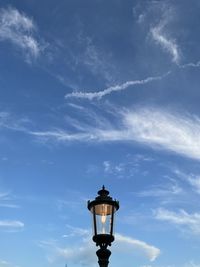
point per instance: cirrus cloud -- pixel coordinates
(159, 129)
(11, 225)
(183, 219)
(19, 29)
(84, 252)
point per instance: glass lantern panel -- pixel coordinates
(104, 217)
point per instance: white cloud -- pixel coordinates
(9, 121)
(192, 179)
(156, 128)
(97, 60)
(6, 200)
(127, 167)
(181, 219)
(113, 168)
(84, 252)
(165, 130)
(195, 183)
(4, 195)
(168, 44)
(109, 90)
(191, 64)
(161, 31)
(162, 191)
(124, 242)
(160, 15)
(77, 231)
(4, 117)
(9, 205)
(11, 225)
(19, 29)
(4, 263)
(192, 264)
(106, 165)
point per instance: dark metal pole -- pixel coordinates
(103, 255)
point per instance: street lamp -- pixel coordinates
(103, 209)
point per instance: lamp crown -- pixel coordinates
(103, 198)
(103, 192)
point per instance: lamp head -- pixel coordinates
(103, 209)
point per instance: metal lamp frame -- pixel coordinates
(103, 240)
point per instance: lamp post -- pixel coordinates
(103, 209)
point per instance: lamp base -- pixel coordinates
(103, 240)
(103, 255)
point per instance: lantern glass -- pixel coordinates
(103, 218)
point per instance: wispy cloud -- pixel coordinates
(153, 127)
(168, 44)
(188, 221)
(76, 231)
(150, 251)
(127, 167)
(87, 55)
(61, 135)
(195, 182)
(160, 32)
(97, 60)
(191, 64)
(161, 191)
(84, 253)
(160, 15)
(109, 90)
(4, 263)
(4, 195)
(192, 264)
(157, 128)
(11, 122)
(11, 225)
(166, 130)
(192, 179)
(9, 205)
(7, 201)
(18, 28)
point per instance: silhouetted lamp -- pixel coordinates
(103, 210)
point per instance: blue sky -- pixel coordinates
(92, 93)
